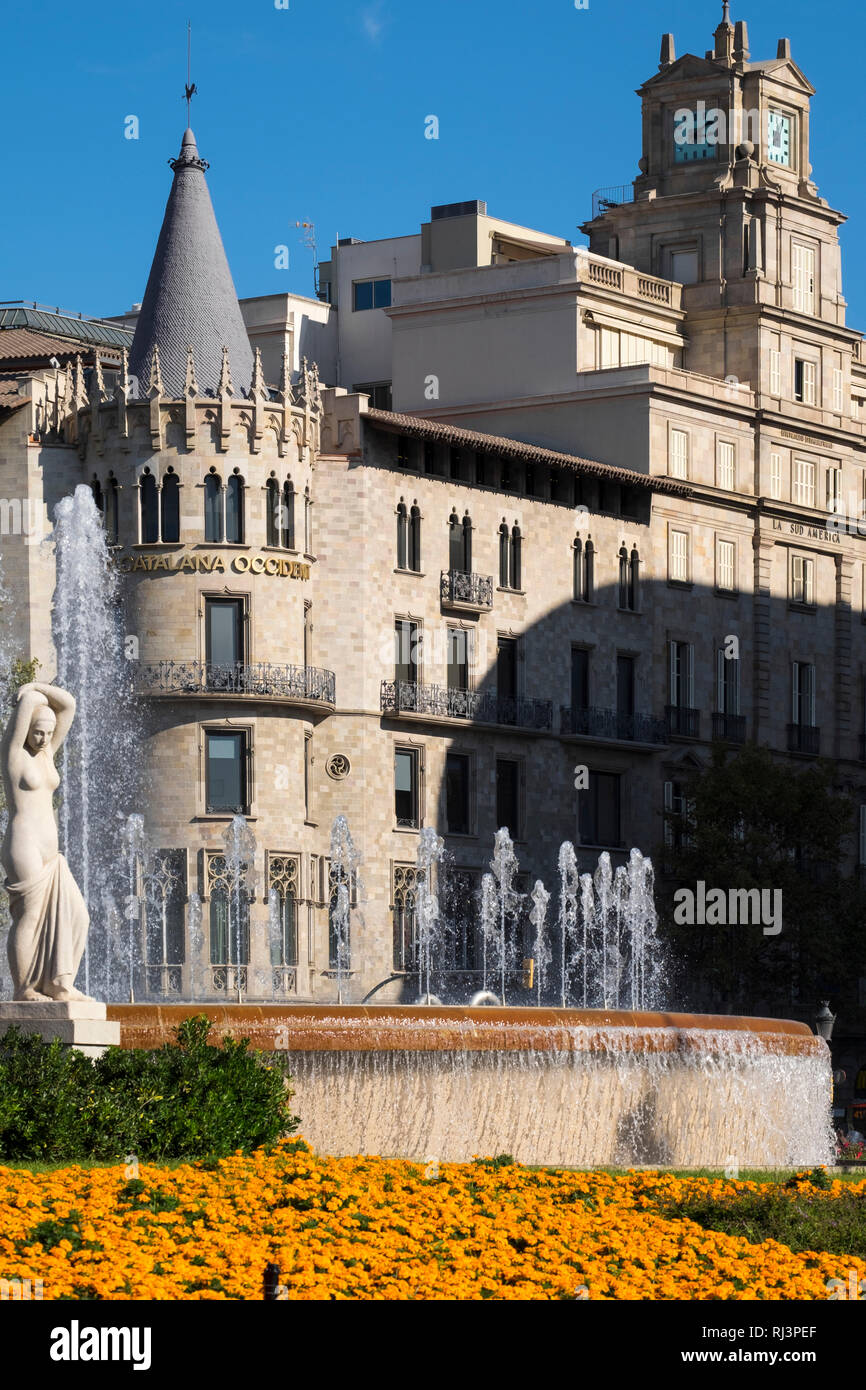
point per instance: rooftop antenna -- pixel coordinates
(190, 90)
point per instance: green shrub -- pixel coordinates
(187, 1099)
(46, 1098)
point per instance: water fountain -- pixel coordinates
(602, 1080)
(240, 857)
(543, 955)
(345, 861)
(429, 925)
(101, 755)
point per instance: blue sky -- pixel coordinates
(316, 112)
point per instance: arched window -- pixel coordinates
(96, 489)
(235, 510)
(110, 513)
(516, 558)
(148, 509)
(272, 502)
(455, 543)
(634, 580)
(287, 520)
(170, 507)
(213, 507)
(402, 536)
(467, 544)
(588, 571)
(308, 522)
(504, 549)
(623, 578)
(577, 551)
(415, 539)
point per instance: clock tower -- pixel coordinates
(725, 204)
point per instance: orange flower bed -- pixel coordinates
(371, 1228)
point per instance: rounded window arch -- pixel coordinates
(287, 518)
(504, 551)
(235, 509)
(623, 577)
(414, 556)
(272, 504)
(588, 570)
(634, 579)
(516, 567)
(577, 562)
(96, 489)
(308, 522)
(111, 510)
(455, 542)
(213, 507)
(402, 535)
(169, 507)
(148, 501)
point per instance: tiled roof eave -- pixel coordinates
(416, 427)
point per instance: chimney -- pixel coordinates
(784, 49)
(668, 53)
(741, 42)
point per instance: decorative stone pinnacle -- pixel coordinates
(155, 386)
(286, 380)
(258, 390)
(225, 387)
(190, 385)
(79, 395)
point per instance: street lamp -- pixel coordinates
(824, 1020)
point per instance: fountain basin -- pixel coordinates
(569, 1087)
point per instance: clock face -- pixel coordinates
(779, 139)
(696, 135)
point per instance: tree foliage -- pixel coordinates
(754, 821)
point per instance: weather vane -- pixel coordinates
(190, 90)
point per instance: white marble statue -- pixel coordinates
(49, 915)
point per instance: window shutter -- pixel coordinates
(669, 806)
(679, 446)
(838, 389)
(672, 673)
(809, 672)
(775, 372)
(725, 467)
(720, 680)
(775, 475)
(863, 834)
(690, 676)
(809, 379)
(795, 691)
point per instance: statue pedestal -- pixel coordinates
(81, 1024)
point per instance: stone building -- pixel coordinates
(612, 516)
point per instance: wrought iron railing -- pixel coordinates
(683, 722)
(730, 728)
(609, 723)
(804, 738)
(605, 198)
(285, 979)
(475, 590)
(229, 979)
(263, 679)
(164, 980)
(476, 706)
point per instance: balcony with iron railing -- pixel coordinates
(730, 728)
(610, 724)
(683, 722)
(473, 592)
(405, 698)
(804, 738)
(301, 685)
(603, 199)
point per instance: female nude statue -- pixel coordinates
(49, 915)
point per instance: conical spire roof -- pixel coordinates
(190, 300)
